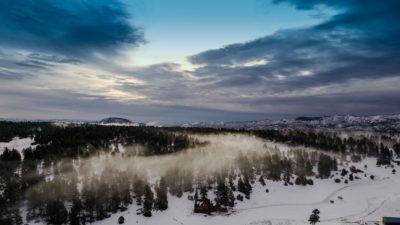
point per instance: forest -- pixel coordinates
(78, 174)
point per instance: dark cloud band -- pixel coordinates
(74, 28)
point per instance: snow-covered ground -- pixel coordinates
(363, 201)
(360, 201)
(18, 144)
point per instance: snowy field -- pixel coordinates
(362, 201)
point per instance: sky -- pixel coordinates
(180, 61)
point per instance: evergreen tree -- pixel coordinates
(162, 196)
(231, 184)
(314, 217)
(325, 165)
(188, 181)
(231, 198)
(222, 193)
(241, 186)
(300, 164)
(203, 192)
(138, 189)
(35, 203)
(244, 186)
(385, 156)
(116, 198)
(288, 168)
(196, 195)
(56, 213)
(89, 202)
(75, 215)
(10, 155)
(396, 148)
(262, 181)
(247, 186)
(148, 201)
(309, 168)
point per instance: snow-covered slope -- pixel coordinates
(18, 144)
(365, 200)
(359, 201)
(381, 123)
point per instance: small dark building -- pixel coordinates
(203, 206)
(391, 220)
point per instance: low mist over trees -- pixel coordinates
(77, 174)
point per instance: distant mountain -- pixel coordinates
(382, 123)
(115, 120)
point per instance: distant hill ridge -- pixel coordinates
(115, 120)
(382, 123)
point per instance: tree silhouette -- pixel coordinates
(314, 217)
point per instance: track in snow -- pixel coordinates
(325, 200)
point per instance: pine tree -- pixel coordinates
(231, 184)
(203, 192)
(287, 164)
(56, 213)
(89, 202)
(244, 186)
(231, 198)
(309, 168)
(247, 186)
(396, 148)
(196, 195)
(102, 202)
(75, 215)
(162, 198)
(262, 181)
(222, 193)
(148, 201)
(300, 164)
(385, 156)
(314, 217)
(138, 189)
(241, 186)
(325, 165)
(10, 155)
(334, 165)
(116, 198)
(188, 181)
(35, 202)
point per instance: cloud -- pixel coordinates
(74, 29)
(347, 64)
(53, 59)
(360, 42)
(17, 66)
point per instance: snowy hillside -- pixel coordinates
(18, 144)
(362, 201)
(382, 123)
(102, 175)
